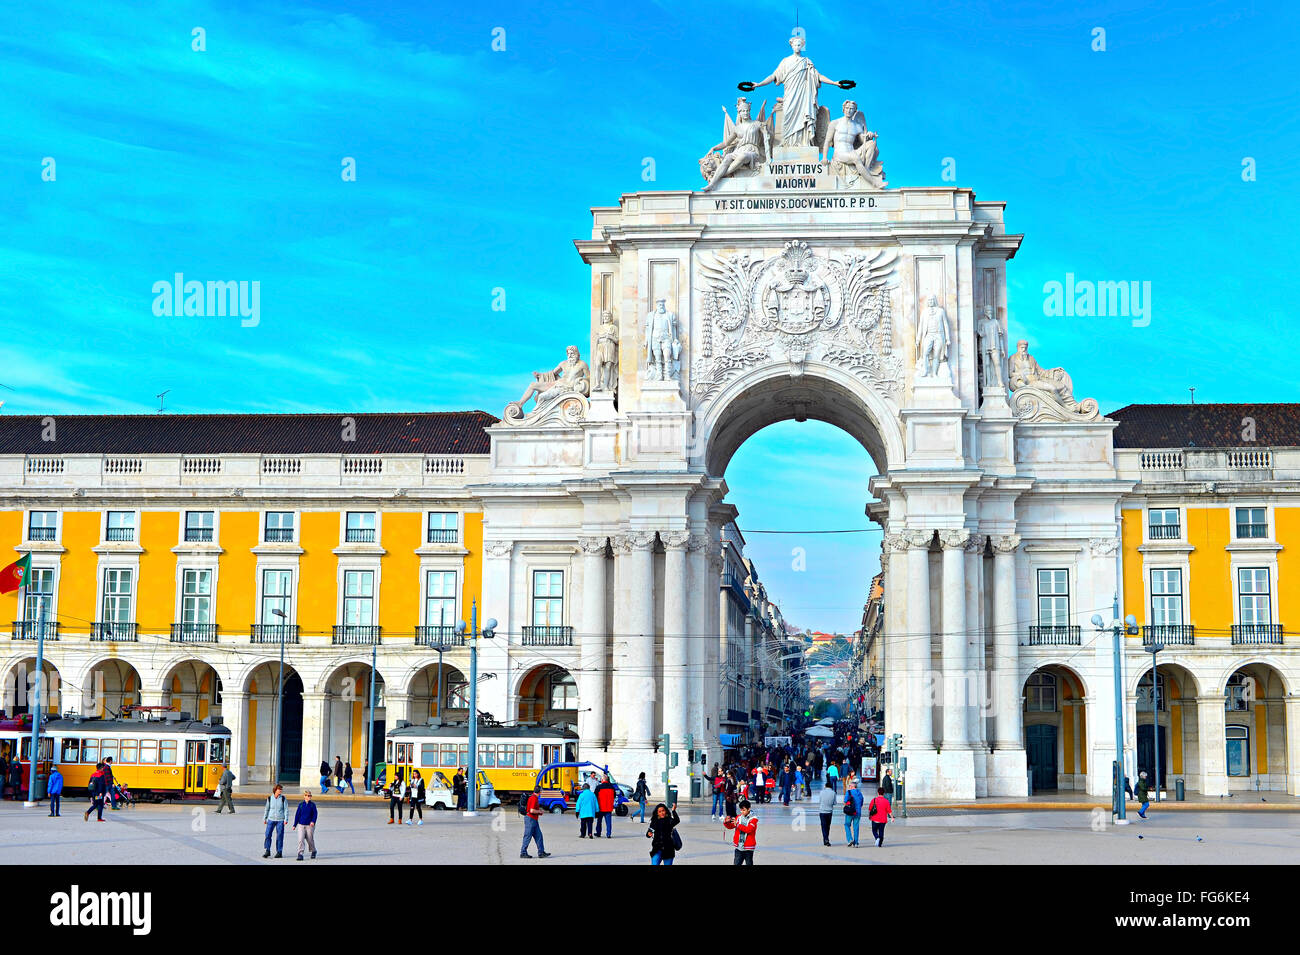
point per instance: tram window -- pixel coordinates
(90, 751)
(108, 749)
(167, 752)
(388, 751)
(130, 750)
(486, 756)
(27, 749)
(464, 755)
(449, 756)
(428, 754)
(217, 751)
(570, 752)
(148, 751)
(71, 751)
(524, 756)
(506, 755)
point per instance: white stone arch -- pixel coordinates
(114, 685)
(523, 674)
(770, 393)
(1220, 686)
(1062, 664)
(329, 671)
(194, 698)
(416, 692)
(10, 697)
(1183, 672)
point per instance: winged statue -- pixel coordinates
(856, 150)
(746, 143)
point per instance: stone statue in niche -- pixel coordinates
(932, 339)
(663, 347)
(856, 150)
(802, 122)
(570, 376)
(992, 349)
(745, 143)
(606, 356)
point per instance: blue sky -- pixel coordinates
(476, 170)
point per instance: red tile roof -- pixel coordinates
(438, 432)
(1207, 425)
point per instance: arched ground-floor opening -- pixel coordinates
(111, 689)
(194, 687)
(1254, 741)
(548, 694)
(1055, 729)
(273, 733)
(346, 712)
(438, 691)
(1168, 724)
(19, 687)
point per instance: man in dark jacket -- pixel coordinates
(54, 789)
(606, 795)
(304, 823)
(225, 789)
(96, 788)
(338, 773)
(108, 782)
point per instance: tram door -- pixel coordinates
(196, 765)
(551, 754)
(403, 759)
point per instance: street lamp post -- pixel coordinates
(1117, 784)
(1155, 648)
(488, 632)
(279, 701)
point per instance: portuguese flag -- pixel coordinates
(15, 575)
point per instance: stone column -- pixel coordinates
(593, 644)
(1211, 730)
(715, 646)
(956, 668)
(894, 652)
(635, 686)
(234, 714)
(313, 738)
(1006, 646)
(1292, 724)
(699, 602)
(920, 716)
(975, 637)
(677, 670)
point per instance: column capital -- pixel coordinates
(698, 542)
(954, 539)
(1005, 543)
(975, 543)
(675, 540)
(1103, 546)
(593, 546)
(498, 548)
(916, 539)
(893, 543)
(641, 540)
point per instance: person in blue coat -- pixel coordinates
(587, 808)
(304, 823)
(54, 789)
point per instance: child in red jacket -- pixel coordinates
(745, 839)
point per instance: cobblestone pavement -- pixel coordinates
(355, 832)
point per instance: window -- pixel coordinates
(440, 599)
(564, 692)
(1166, 597)
(199, 525)
(217, 751)
(108, 749)
(277, 594)
(130, 750)
(71, 751)
(1240, 693)
(120, 526)
(548, 598)
(148, 752)
(486, 756)
(442, 527)
(117, 595)
(524, 755)
(40, 594)
(1144, 694)
(196, 596)
(90, 751)
(358, 598)
(1254, 596)
(279, 527)
(1252, 522)
(464, 756)
(428, 754)
(42, 526)
(1040, 693)
(449, 753)
(360, 527)
(1163, 524)
(167, 752)
(506, 756)
(1053, 598)
(1237, 739)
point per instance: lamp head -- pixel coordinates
(489, 628)
(1131, 624)
(1097, 621)
(460, 627)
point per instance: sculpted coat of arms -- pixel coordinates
(795, 306)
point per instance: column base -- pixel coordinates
(949, 774)
(981, 773)
(1214, 784)
(1008, 773)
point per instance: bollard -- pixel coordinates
(1179, 792)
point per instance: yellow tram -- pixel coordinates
(153, 758)
(509, 756)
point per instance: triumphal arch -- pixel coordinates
(795, 283)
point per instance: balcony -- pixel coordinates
(194, 633)
(547, 637)
(198, 535)
(279, 535)
(273, 633)
(119, 534)
(442, 535)
(108, 631)
(356, 633)
(1170, 634)
(1251, 531)
(1256, 634)
(41, 534)
(439, 637)
(1058, 636)
(1164, 532)
(359, 535)
(26, 630)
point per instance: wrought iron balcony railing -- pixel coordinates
(442, 535)
(194, 633)
(41, 534)
(1165, 532)
(547, 636)
(359, 535)
(356, 633)
(1170, 634)
(26, 630)
(438, 637)
(112, 631)
(273, 633)
(1055, 636)
(1256, 634)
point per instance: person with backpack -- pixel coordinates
(395, 796)
(304, 823)
(606, 796)
(852, 812)
(415, 796)
(879, 812)
(665, 841)
(347, 778)
(586, 808)
(531, 809)
(274, 816)
(54, 789)
(642, 794)
(719, 794)
(745, 840)
(325, 773)
(97, 788)
(825, 811)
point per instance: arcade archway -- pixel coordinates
(548, 694)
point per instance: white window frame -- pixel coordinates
(1269, 525)
(1153, 595)
(425, 571)
(1039, 595)
(265, 516)
(201, 563)
(1179, 516)
(211, 595)
(216, 526)
(102, 595)
(27, 525)
(1270, 575)
(135, 525)
(533, 598)
(346, 565)
(428, 520)
(291, 611)
(53, 614)
(343, 526)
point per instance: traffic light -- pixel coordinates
(672, 761)
(661, 742)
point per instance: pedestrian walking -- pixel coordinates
(347, 778)
(324, 776)
(879, 812)
(587, 807)
(338, 774)
(833, 777)
(642, 794)
(458, 787)
(225, 790)
(852, 813)
(887, 784)
(415, 796)
(54, 789)
(798, 783)
(304, 823)
(15, 778)
(110, 790)
(533, 825)
(395, 796)
(787, 783)
(663, 835)
(606, 796)
(730, 789)
(4, 773)
(719, 795)
(97, 792)
(745, 840)
(825, 810)
(274, 816)
(1142, 793)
